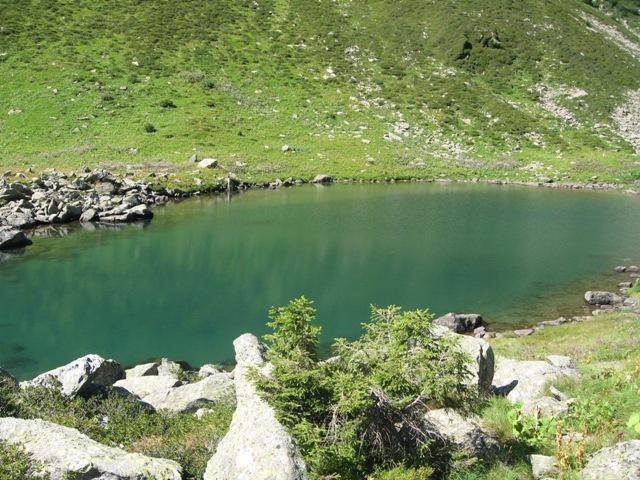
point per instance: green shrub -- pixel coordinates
(15, 464)
(534, 430)
(149, 128)
(167, 104)
(362, 410)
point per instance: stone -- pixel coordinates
(66, 453)
(207, 163)
(545, 407)
(524, 332)
(142, 370)
(561, 361)
(193, 396)
(105, 188)
(89, 215)
(633, 269)
(322, 179)
(170, 368)
(532, 377)
(10, 238)
(543, 466)
(257, 446)
(620, 269)
(625, 285)
(620, 462)
(83, 376)
(208, 370)
(144, 386)
(481, 367)
(602, 298)
(466, 433)
(140, 212)
(460, 322)
(68, 213)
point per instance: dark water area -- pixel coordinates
(207, 270)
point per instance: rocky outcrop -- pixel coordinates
(530, 377)
(90, 196)
(10, 238)
(257, 447)
(602, 298)
(466, 433)
(460, 322)
(165, 392)
(80, 377)
(620, 462)
(481, 366)
(66, 453)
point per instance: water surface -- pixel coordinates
(206, 270)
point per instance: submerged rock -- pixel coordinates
(257, 446)
(466, 433)
(620, 462)
(67, 453)
(83, 376)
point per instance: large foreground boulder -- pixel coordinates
(528, 378)
(620, 462)
(481, 366)
(67, 453)
(257, 447)
(466, 433)
(83, 376)
(11, 238)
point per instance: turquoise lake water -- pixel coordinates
(206, 270)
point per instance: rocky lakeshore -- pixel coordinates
(256, 445)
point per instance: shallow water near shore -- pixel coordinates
(206, 270)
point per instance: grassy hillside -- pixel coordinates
(357, 89)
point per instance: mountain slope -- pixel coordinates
(508, 88)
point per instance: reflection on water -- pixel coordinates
(206, 270)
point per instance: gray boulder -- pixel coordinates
(165, 392)
(145, 386)
(481, 367)
(257, 447)
(81, 377)
(207, 163)
(546, 407)
(543, 466)
(142, 370)
(11, 238)
(602, 298)
(620, 462)
(466, 433)
(460, 322)
(531, 376)
(322, 179)
(67, 453)
(192, 396)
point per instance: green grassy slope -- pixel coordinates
(459, 84)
